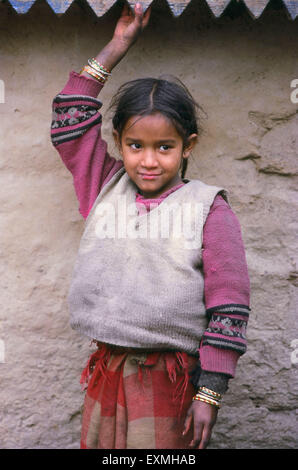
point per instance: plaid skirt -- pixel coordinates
(136, 400)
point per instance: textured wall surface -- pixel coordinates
(240, 71)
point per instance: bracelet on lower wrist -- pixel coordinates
(208, 396)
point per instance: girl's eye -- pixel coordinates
(164, 147)
(135, 146)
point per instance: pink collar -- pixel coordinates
(140, 197)
(144, 203)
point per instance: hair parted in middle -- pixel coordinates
(166, 95)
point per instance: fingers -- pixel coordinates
(125, 10)
(206, 436)
(146, 17)
(142, 18)
(187, 424)
(197, 434)
(202, 427)
(138, 10)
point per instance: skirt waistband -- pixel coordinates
(115, 349)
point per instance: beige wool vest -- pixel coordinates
(138, 279)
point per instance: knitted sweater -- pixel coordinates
(76, 134)
(138, 280)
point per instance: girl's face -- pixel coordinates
(152, 151)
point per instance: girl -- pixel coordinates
(167, 314)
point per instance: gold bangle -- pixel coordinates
(205, 400)
(210, 401)
(210, 392)
(217, 405)
(93, 73)
(205, 395)
(99, 70)
(89, 71)
(93, 62)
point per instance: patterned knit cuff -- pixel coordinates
(227, 327)
(81, 85)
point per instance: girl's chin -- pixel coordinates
(150, 191)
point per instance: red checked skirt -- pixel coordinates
(136, 400)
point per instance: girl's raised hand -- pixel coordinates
(128, 28)
(130, 25)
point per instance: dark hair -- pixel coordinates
(169, 97)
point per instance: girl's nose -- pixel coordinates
(149, 159)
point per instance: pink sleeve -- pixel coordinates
(76, 134)
(226, 289)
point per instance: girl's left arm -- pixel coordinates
(227, 298)
(226, 290)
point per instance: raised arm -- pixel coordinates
(129, 26)
(76, 122)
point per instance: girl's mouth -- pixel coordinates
(149, 176)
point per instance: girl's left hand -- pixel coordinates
(203, 417)
(131, 24)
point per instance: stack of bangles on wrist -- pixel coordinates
(97, 70)
(208, 396)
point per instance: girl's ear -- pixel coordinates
(191, 142)
(117, 140)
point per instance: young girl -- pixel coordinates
(167, 314)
